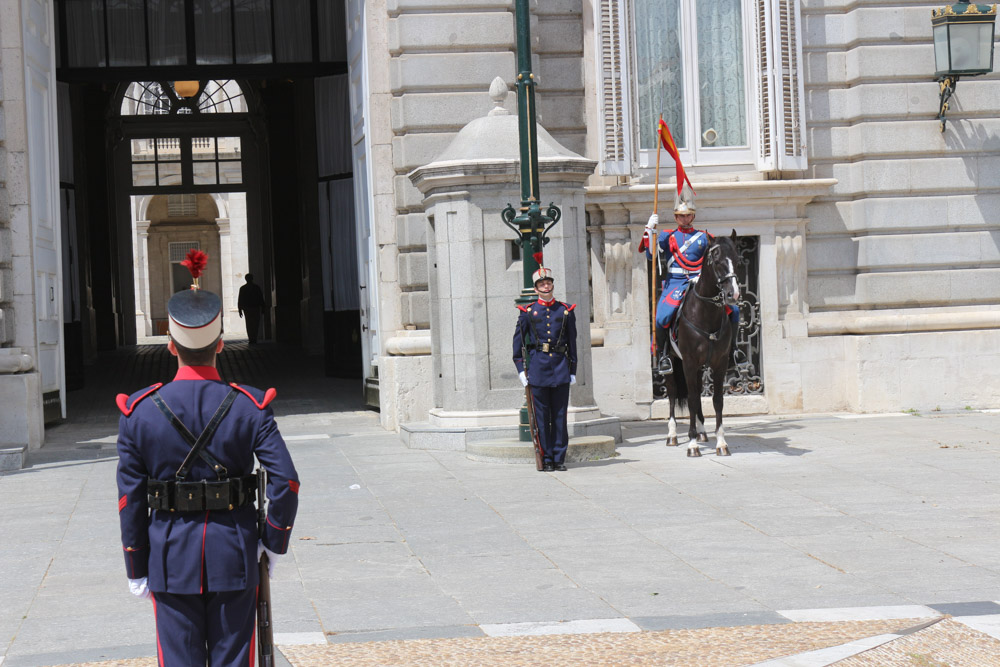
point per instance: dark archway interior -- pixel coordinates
(284, 175)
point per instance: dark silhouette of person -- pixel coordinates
(251, 303)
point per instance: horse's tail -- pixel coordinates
(680, 384)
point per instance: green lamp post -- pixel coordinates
(529, 222)
(963, 45)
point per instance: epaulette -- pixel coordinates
(523, 309)
(568, 308)
(122, 399)
(268, 395)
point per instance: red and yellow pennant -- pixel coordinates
(668, 143)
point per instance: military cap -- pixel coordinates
(195, 314)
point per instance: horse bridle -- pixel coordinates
(719, 300)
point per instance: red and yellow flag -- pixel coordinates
(668, 143)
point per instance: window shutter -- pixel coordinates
(781, 88)
(765, 135)
(791, 147)
(613, 80)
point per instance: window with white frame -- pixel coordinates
(725, 74)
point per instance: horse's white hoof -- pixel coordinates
(694, 452)
(702, 437)
(722, 451)
(672, 441)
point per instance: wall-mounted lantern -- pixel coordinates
(963, 45)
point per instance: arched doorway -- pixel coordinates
(261, 133)
(189, 173)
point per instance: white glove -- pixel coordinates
(523, 378)
(572, 379)
(139, 588)
(654, 220)
(272, 558)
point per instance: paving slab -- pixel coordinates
(810, 513)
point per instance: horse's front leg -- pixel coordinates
(718, 382)
(672, 424)
(696, 431)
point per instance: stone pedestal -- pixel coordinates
(584, 448)
(475, 276)
(21, 429)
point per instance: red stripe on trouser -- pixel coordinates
(159, 649)
(253, 642)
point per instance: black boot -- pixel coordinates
(664, 365)
(733, 363)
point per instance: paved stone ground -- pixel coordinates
(819, 531)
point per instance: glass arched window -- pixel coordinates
(144, 98)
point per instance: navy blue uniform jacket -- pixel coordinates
(546, 369)
(205, 551)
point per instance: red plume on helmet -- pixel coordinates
(538, 258)
(196, 261)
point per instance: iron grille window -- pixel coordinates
(179, 250)
(181, 206)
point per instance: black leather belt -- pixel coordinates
(209, 494)
(547, 347)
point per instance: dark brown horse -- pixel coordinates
(704, 334)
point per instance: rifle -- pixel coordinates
(532, 424)
(265, 630)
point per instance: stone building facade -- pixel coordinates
(873, 237)
(877, 233)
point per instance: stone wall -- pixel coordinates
(8, 11)
(903, 254)
(914, 220)
(431, 63)
(21, 427)
(882, 292)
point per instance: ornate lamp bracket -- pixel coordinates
(948, 85)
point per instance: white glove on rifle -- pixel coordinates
(572, 379)
(523, 378)
(139, 588)
(272, 558)
(654, 220)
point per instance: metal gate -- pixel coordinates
(749, 380)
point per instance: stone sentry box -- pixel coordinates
(474, 280)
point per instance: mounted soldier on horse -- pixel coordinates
(693, 327)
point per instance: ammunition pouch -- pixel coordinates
(209, 494)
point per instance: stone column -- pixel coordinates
(21, 414)
(475, 276)
(231, 322)
(233, 210)
(143, 315)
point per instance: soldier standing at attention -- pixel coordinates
(186, 492)
(546, 333)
